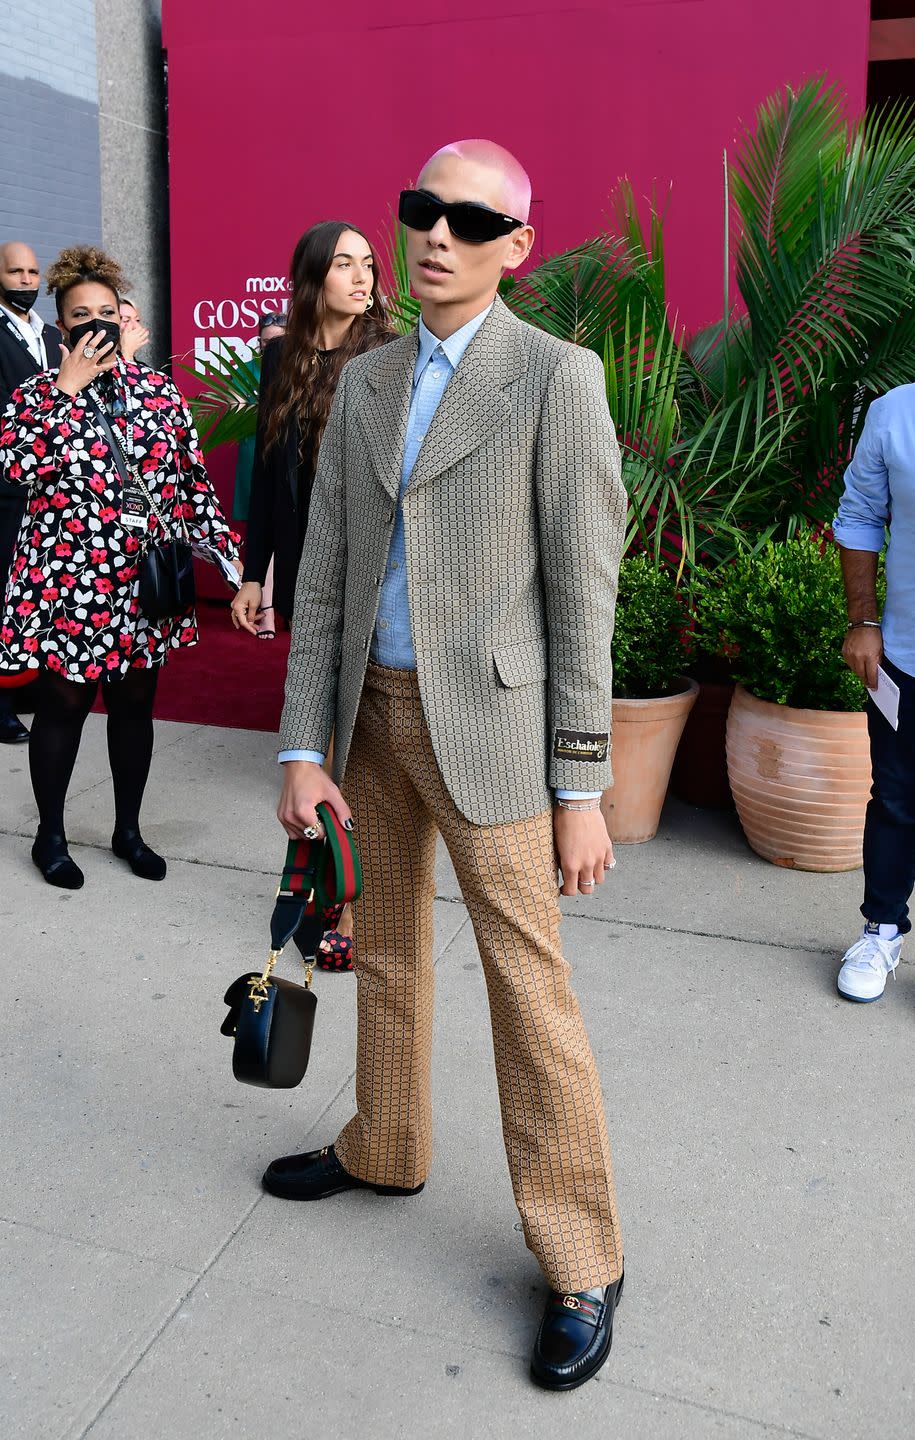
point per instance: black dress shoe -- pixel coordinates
(129, 845)
(575, 1336)
(12, 730)
(318, 1174)
(53, 859)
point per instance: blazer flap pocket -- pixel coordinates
(521, 662)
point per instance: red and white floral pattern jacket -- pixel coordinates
(71, 598)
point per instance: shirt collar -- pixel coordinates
(454, 346)
(26, 322)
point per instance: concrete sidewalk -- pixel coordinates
(762, 1130)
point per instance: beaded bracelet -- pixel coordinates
(578, 805)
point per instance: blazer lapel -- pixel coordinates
(475, 402)
(384, 410)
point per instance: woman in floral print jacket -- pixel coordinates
(71, 605)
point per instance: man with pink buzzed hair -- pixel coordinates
(453, 619)
(516, 183)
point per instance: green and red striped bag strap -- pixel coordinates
(340, 874)
(319, 878)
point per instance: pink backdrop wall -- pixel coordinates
(284, 113)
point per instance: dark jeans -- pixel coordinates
(889, 830)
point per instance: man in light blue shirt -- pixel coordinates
(880, 494)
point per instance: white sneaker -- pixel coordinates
(867, 963)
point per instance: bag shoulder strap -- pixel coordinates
(122, 464)
(103, 423)
(317, 875)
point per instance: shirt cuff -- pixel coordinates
(855, 535)
(313, 755)
(577, 794)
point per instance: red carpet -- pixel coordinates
(227, 678)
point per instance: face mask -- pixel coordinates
(20, 299)
(80, 333)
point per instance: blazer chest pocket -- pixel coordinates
(520, 662)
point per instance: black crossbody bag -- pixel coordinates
(166, 585)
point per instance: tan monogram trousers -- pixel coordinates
(549, 1090)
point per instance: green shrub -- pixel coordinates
(779, 616)
(647, 649)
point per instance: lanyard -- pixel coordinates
(17, 334)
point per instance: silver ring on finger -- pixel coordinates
(89, 352)
(586, 884)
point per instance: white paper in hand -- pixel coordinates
(886, 697)
(215, 557)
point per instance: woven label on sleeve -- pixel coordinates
(579, 745)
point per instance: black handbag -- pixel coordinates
(166, 582)
(272, 1019)
(166, 585)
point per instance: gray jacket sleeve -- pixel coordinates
(582, 515)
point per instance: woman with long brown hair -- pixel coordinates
(335, 314)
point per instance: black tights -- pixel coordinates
(58, 725)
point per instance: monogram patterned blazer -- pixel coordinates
(514, 517)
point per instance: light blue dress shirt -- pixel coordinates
(880, 492)
(392, 642)
(436, 362)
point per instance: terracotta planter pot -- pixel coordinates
(801, 782)
(645, 738)
(700, 773)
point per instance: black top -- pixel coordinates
(17, 362)
(281, 481)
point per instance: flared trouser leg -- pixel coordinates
(549, 1090)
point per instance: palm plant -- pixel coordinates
(225, 406)
(740, 432)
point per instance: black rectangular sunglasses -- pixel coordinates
(419, 210)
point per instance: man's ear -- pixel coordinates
(521, 242)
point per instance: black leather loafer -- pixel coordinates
(317, 1174)
(575, 1336)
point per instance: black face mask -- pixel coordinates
(81, 332)
(20, 299)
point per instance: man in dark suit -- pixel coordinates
(27, 345)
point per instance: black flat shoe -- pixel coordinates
(316, 1175)
(575, 1336)
(12, 730)
(53, 859)
(129, 845)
